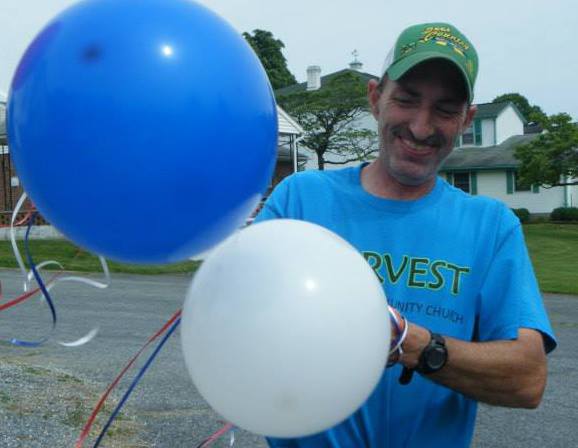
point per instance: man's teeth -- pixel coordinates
(416, 146)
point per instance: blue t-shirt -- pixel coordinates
(454, 263)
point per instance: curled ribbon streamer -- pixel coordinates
(88, 425)
(137, 379)
(34, 274)
(15, 249)
(45, 293)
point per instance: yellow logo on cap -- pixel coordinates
(442, 35)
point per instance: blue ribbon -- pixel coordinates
(136, 381)
(42, 288)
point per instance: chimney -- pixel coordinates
(313, 77)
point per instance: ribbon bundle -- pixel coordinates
(44, 287)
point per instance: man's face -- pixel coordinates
(419, 117)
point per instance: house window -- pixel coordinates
(473, 134)
(462, 181)
(468, 136)
(513, 184)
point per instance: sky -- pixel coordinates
(525, 46)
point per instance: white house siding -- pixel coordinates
(508, 123)
(287, 125)
(494, 184)
(284, 126)
(488, 132)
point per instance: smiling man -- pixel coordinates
(454, 265)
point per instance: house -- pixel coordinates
(483, 162)
(314, 82)
(288, 157)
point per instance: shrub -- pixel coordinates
(523, 214)
(564, 214)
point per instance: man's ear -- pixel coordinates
(373, 95)
(470, 114)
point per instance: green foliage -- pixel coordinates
(523, 214)
(564, 214)
(330, 118)
(532, 113)
(268, 50)
(551, 159)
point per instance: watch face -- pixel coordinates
(436, 358)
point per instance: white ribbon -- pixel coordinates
(29, 275)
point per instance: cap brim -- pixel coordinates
(400, 68)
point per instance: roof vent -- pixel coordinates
(355, 65)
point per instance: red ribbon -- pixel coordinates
(113, 384)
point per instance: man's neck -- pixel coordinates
(376, 180)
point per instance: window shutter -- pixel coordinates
(478, 132)
(474, 182)
(510, 181)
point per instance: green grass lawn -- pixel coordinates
(75, 259)
(553, 248)
(554, 252)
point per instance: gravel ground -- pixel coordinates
(47, 393)
(47, 408)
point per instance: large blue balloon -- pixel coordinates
(144, 130)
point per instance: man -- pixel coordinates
(455, 266)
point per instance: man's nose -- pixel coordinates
(421, 125)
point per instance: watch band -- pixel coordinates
(434, 356)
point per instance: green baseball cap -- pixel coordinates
(420, 43)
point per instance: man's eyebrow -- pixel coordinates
(407, 89)
(451, 101)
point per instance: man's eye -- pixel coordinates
(404, 101)
(448, 112)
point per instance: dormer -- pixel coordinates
(493, 124)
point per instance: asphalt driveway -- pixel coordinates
(46, 393)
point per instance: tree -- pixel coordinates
(551, 159)
(268, 50)
(330, 117)
(532, 114)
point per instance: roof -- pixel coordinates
(287, 125)
(488, 158)
(492, 110)
(302, 87)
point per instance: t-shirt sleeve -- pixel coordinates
(276, 205)
(510, 298)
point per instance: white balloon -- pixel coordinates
(285, 329)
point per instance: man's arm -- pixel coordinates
(502, 373)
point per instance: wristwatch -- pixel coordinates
(434, 356)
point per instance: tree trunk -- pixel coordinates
(320, 161)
